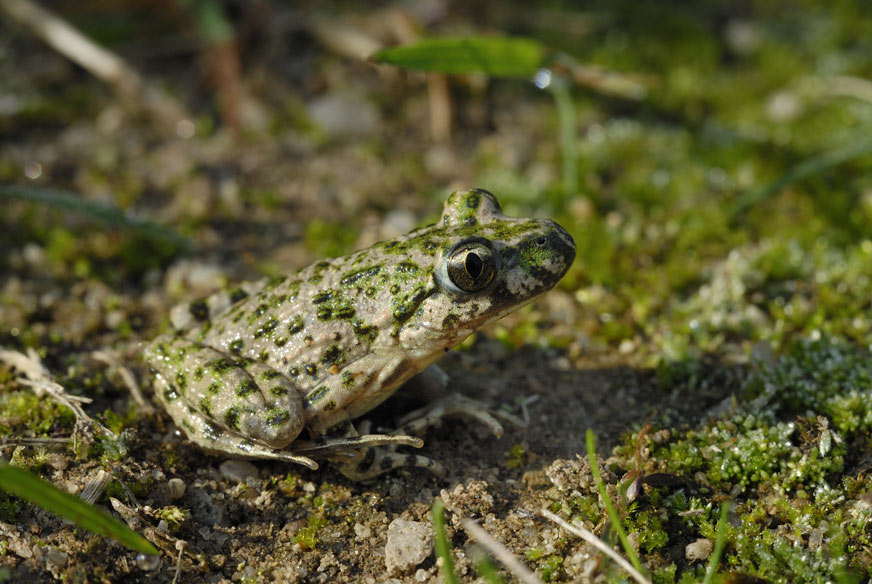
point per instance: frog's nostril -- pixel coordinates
(541, 241)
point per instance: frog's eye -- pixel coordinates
(472, 266)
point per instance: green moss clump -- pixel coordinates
(306, 537)
(23, 413)
(783, 458)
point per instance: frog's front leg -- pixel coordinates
(434, 381)
(227, 404)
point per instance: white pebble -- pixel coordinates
(698, 550)
(237, 470)
(409, 543)
(176, 488)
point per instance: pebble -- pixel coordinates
(237, 470)
(176, 488)
(409, 543)
(698, 550)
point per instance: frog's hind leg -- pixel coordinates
(375, 461)
(211, 437)
(227, 404)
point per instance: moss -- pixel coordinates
(781, 457)
(649, 528)
(306, 537)
(23, 413)
(515, 457)
(173, 515)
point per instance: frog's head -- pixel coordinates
(487, 266)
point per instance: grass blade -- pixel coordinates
(720, 541)
(492, 55)
(440, 542)
(106, 214)
(812, 166)
(31, 488)
(589, 440)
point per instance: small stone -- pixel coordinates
(362, 531)
(55, 557)
(409, 543)
(237, 470)
(176, 488)
(698, 550)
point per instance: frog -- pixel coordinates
(281, 369)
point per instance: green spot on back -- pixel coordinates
(231, 418)
(332, 355)
(246, 388)
(199, 309)
(205, 406)
(222, 365)
(278, 391)
(277, 417)
(296, 325)
(236, 295)
(317, 394)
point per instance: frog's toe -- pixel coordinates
(251, 449)
(455, 404)
(349, 444)
(376, 461)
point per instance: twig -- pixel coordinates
(126, 378)
(499, 551)
(593, 540)
(102, 64)
(180, 545)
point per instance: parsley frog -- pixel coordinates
(280, 368)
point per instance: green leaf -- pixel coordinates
(27, 486)
(492, 55)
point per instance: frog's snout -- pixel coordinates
(562, 245)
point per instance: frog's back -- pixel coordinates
(296, 325)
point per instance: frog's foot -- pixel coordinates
(330, 446)
(250, 449)
(364, 456)
(371, 462)
(455, 404)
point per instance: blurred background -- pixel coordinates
(711, 159)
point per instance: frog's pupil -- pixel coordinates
(473, 265)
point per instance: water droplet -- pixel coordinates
(33, 170)
(147, 562)
(542, 78)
